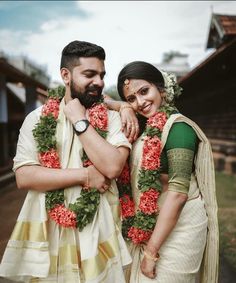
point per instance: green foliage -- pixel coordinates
(145, 222)
(152, 132)
(124, 189)
(44, 133)
(168, 109)
(85, 207)
(53, 198)
(57, 93)
(102, 133)
(126, 224)
(149, 179)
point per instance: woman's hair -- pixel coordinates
(139, 70)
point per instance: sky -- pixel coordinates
(127, 30)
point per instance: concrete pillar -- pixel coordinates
(3, 122)
(31, 97)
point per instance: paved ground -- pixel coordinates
(11, 200)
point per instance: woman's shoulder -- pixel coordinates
(181, 135)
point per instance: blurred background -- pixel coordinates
(196, 40)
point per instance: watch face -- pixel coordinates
(80, 126)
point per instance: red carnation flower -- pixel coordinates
(148, 202)
(98, 117)
(139, 236)
(87, 163)
(127, 206)
(124, 177)
(50, 159)
(158, 120)
(63, 216)
(151, 153)
(51, 107)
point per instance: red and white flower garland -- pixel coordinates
(138, 226)
(44, 133)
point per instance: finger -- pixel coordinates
(136, 131)
(133, 131)
(128, 129)
(101, 190)
(123, 124)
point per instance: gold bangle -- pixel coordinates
(151, 257)
(123, 106)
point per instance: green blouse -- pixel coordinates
(178, 156)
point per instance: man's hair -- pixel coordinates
(76, 49)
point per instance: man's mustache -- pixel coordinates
(94, 88)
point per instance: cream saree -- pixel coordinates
(193, 243)
(41, 251)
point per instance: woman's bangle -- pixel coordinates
(147, 255)
(123, 106)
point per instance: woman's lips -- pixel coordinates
(146, 108)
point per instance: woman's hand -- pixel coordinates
(97, 180)
(130, 125)
(148, 267)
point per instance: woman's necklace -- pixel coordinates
(138, 226)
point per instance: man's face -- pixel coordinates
(87, 81)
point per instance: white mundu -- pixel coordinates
(39, 250)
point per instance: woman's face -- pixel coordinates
(143, 96)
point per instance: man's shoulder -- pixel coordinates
(113, 114)
(34, 115)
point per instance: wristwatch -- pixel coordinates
(81, 126)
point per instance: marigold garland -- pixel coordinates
(82, 212)
(139, 226)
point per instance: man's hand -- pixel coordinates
(97, 180)
(74, 111)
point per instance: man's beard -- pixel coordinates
(86, 99)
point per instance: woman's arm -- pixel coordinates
(166, 222)
(180, 148)
(129, 120)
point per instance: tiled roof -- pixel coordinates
(222, 30)
(228, 24)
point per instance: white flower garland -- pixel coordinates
(172, 89)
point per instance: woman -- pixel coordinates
(172, 225)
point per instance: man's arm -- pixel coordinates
(39, 178)
(30, 175)
(107, 158)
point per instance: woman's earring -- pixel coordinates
(163, 99)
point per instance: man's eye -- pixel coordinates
(89, 75)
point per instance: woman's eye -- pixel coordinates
(131, 99)
(144, 91)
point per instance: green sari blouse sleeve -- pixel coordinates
(180, 147)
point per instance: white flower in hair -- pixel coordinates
(172, 89)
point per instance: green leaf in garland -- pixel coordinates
(145, 222)
(57, 93)
(53, 198)
(85, 207)
(44, 133)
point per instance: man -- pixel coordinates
(42, 246)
